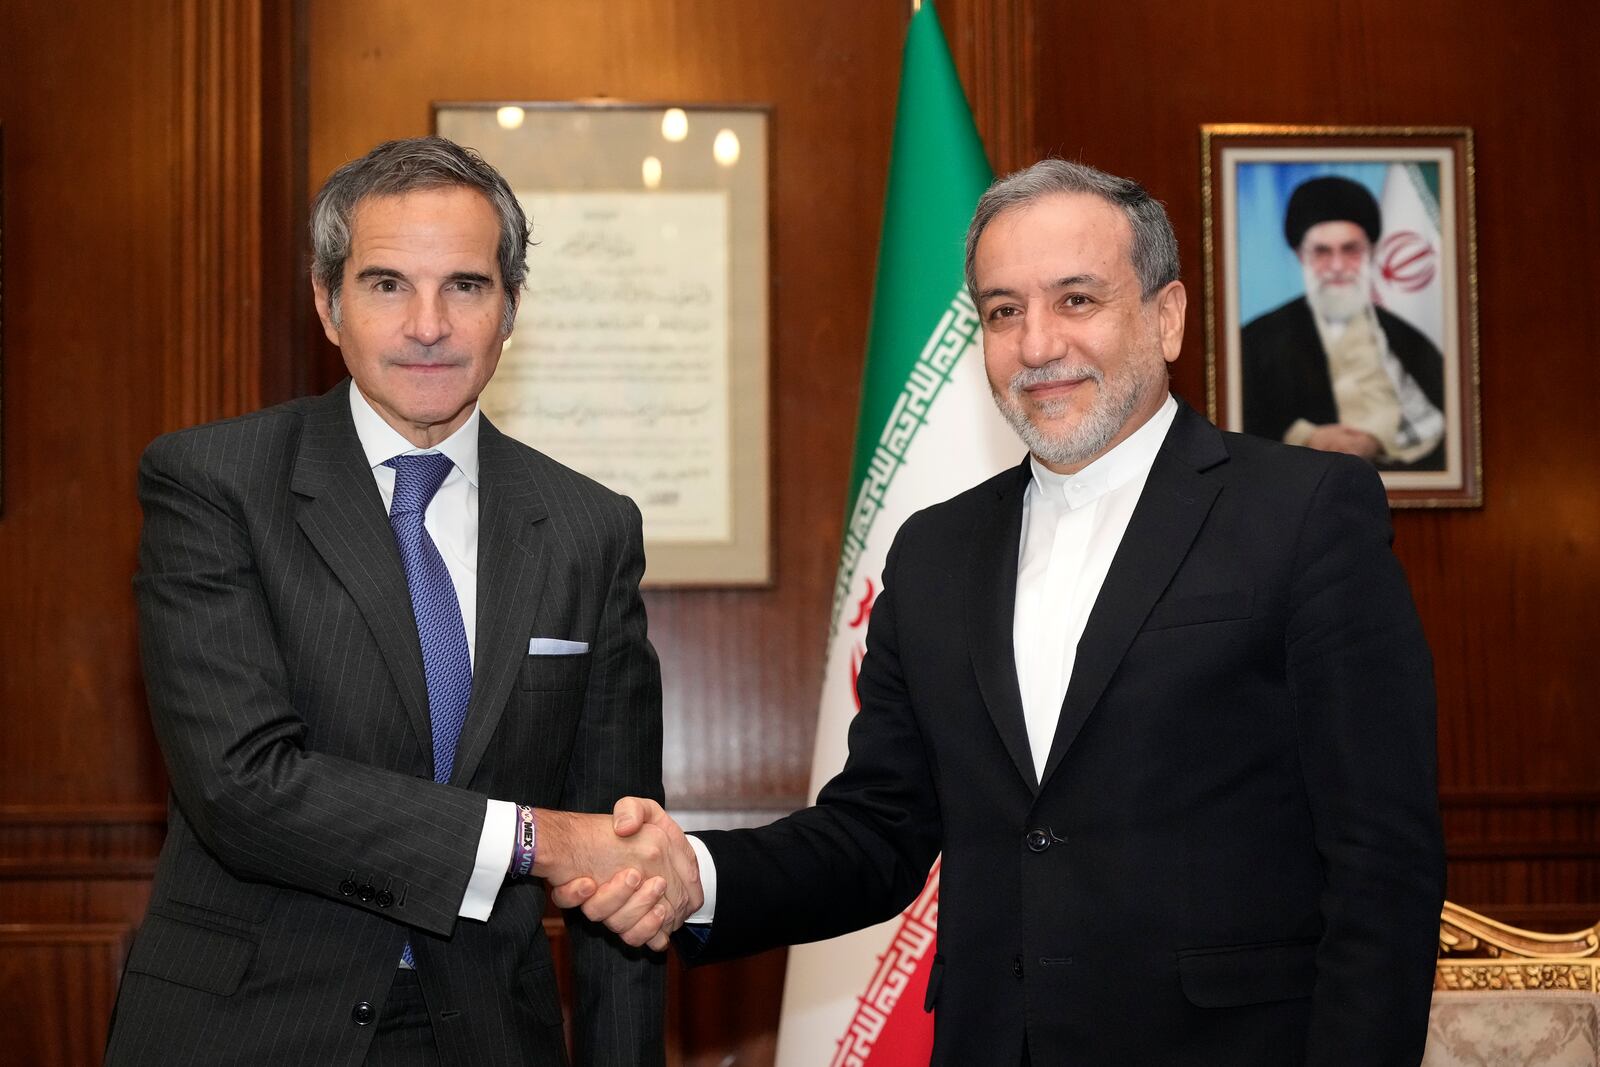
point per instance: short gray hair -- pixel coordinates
(1155, 247)
(397, 167)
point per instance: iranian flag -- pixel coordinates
(927, 429)
(1408, 277)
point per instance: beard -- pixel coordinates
(1116, 397)
(1341, 299)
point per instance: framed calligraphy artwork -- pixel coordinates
(640, 355)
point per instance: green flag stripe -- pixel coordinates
(1425, 192)
(936, 174)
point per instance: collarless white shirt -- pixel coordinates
(452, 522)
(1072, 525)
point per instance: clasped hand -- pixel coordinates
(633, 871)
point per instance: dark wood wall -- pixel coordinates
(156, 168)
(133, 203)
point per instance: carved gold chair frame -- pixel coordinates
(1478, 953)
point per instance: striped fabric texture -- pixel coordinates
(307, 838)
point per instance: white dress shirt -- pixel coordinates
(452, 522)
(1072, 525)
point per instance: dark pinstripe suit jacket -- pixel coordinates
(306, 839)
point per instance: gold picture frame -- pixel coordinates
(1375, 352)
(641, 354)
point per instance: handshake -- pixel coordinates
(634, 870)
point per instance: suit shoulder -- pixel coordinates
(240, 439)
(1257, 464)
(562, 483)
(960, 511)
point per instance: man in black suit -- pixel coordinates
(381, 639)
(1158, 694)
(1330, 369)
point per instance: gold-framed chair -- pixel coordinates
(1513, 998)
(1478, 953)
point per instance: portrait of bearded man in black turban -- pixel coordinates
(1331, 369)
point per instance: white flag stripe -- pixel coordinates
(1408, 263)
(956, 332)
(956, 442)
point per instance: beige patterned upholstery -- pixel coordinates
(1505, 997)
(1538, 1028)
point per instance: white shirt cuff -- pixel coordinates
(494, 860)
(708, 881)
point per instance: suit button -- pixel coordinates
(348, 887)
(363, 1014)
(385, 898)
(1016, 966)
(366, 893)
(1038, 841)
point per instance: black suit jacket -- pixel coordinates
(1285, 372)
(1234, 857)
(306, 838)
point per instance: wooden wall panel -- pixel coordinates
(133, 241)
(992, 43)
(42, 842)
(58, 982)
(89, 273)
(134, 254)
(1510, 594)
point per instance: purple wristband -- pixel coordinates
(522, 851)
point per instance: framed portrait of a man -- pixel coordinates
(1341, 305)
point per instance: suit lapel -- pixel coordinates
(343, 515)
(991, 596)
(511, 570)
(1171, 509)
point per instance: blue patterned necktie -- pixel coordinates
(445, 660)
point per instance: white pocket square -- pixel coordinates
(555, 646)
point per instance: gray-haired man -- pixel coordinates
(381, 641)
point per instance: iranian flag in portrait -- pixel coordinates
(927, 429)
(1408, 262)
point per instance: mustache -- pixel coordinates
(422, 356)
(1053, 372)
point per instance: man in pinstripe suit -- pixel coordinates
(334, 887)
